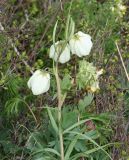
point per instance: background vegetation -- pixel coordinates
(25, 40)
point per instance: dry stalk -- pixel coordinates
(126, 73)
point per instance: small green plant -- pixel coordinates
(58, 120)
(70, 136)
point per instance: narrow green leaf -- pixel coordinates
(86, 154)
(54, 33)
(71, 146)
(71, 28)
(67, 27)
(75, 125)
(91, 140)
(47, 150)
(54, 125)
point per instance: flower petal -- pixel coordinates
(65, 55)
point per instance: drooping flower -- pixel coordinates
(81, 44)
(60, 49)
(39, 82)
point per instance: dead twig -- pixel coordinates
(126, 73)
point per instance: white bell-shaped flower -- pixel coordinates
(81, 44)
(39, 82)
(60, 48)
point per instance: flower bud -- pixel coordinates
(81, 44)
(39, 82)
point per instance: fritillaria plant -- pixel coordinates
(79, 44)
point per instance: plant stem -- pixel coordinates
(60, 103)
(31, 112)
(126, 73)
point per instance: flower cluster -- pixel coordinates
(80, 44)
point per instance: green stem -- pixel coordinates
(60, 103)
